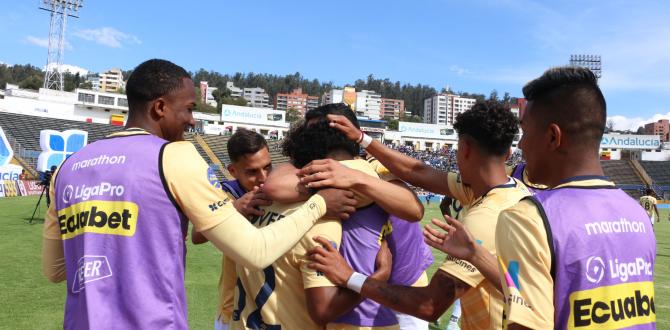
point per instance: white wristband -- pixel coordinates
(356, 281)
(365, 142)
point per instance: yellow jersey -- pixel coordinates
(482, 303)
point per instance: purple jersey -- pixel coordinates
(123, 238)
(411, 255)
(603, 253)
(361, 239)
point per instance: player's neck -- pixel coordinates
(490, 175)
(571, 167)
(339, 155)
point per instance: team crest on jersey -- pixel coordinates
(213, 180)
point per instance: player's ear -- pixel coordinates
(232, 170)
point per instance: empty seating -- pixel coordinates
(621, 172)
(658, 171)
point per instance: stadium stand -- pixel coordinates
(624, 175)
(25, 129)
(658, 171)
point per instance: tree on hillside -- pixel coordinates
(392, 123)
(292, 115)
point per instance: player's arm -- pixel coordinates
(406, 168)
(394, 197)
(427, 303)
(457, 241)
(283, 185)
(327, 303)
(212, 213)
(524, 259)
(248, 205)
(53, 258)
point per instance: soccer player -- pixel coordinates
(411, 255)
(250, 165)
(485, 136)
(122, 205)
(578, 255)
(648, 202)
(288, 294)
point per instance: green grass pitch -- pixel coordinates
(29, 301)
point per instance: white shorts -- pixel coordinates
(408, 322)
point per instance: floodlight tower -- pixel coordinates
(591, 62)
(60, 10)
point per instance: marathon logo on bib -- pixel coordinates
(101, 217)
(89, 269)
(613, 307)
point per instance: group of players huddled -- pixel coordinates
(331, 240)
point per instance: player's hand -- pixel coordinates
(328, 173)
(250, 203)
(345, 126)
(383, 263)
(339, 203)
(327, 260)
(455, 241)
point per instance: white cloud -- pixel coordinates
(459, 70)
(625, 123)
(43, 42)
(107, 36)
(73, 69)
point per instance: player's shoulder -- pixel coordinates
(360, 165)
(507, 196)
(180, 152)
(524, 213)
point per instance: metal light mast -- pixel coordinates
(591, 62)
(60, 10)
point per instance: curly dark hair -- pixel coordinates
(491, 125)
(151, 80)
(570, 97)
(313, 138)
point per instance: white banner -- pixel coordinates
(630, 141)
(429, 131)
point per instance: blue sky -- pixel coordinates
(469, 45)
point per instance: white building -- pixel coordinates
(368, 104)
(442, 109)
(112, 81)
(332, 96)
(234, 91)
(82, 104)
(206, 94)
(257, 97)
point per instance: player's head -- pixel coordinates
(313, 138)
(564, 118)
(161, 97)
(485, 134)
(649, 192)
(250, 158)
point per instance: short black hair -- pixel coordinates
(649, 191)
(245, 142)
(491, 124)
(151, 80)
(313, 138)
(570, 97)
